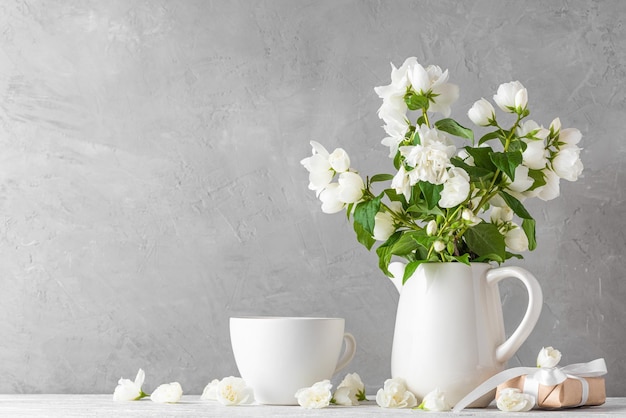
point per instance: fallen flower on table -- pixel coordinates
(128, 390)
(231, 391)
(514, 400)
(350, 391)
(548, 357)
(210, 391)
(315, 397)
(394, 394)
(435, 401)
(167, 393)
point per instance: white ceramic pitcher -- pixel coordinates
(449, 331)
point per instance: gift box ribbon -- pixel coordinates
(538, 376)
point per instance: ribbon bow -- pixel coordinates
(538, 376)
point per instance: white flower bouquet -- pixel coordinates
(447, 203)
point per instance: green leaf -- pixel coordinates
(454, 128)
(407, 243)
(365, 213)
(528, 225)
(507, 162)
(421, 208)
(515, 205)
(363, 236)
(462, 258)
(477, 174)
(489, 257)
(410, 269)
(484, 239)
(384, 252)
(517, 145)
(488, 137)
(538, 177)
(381, 177)
(482, 157)
(431, 192)
(394, 196)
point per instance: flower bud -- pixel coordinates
(439, 246)
(339, 160)
(555, 126)
(469, 216)
(482, 113)
(435, 401)
(431, 228)
(521, 100)
(510, 97)
(548, 357)
(383, 226)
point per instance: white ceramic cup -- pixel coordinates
(276, 356)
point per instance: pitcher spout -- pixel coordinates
(397, 270)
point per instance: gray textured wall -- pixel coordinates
(150, 184)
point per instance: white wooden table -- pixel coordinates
(191, 406)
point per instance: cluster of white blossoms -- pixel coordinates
(552, 150)
(394, 394)
(322, 167)
(349, 392)
(514, 399)
(230, 391)
(430, 159)
(128, 390)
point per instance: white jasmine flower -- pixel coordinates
(522, 181)
(383, 226)
(399, 81)
(232, 391)
(394, 394)
(435, 401)
(210, 391)
(569, 137)
(511, 97)
(548, 357)
(351, 187)
(167, 393)
(128, 390)
(468, 216)
(516, 239)
(551, 189)
(431, 228)
(433, 80)
(535, 155)
(431, 158)
(555, 126)
(396, 129)
(339, 160)
(330, 199)
(482, 113)
(320, 171)
(316, 397)
(513, 400)
(530, 130)
(567, 164)
(501, 214)
(401, 183)
(455, 189)
(350, 391)
(439, 246)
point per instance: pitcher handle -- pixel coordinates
(535, 301)
(348, 353)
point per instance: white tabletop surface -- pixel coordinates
(191, 406)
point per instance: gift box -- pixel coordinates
(567, 394)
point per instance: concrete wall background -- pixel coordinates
(150, 184)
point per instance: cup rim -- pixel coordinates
(286, 318)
